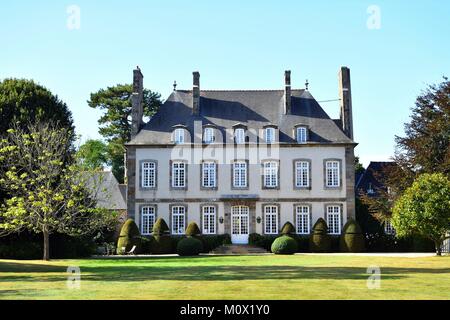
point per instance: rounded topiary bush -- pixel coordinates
(193, 230)
(189, 246)
(129, 237)
(319, 240)
(352, 238)
(160, 227)
(284, 245)
(288, 229)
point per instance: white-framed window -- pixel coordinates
(239, 136)
(147, 220)
(209, 220)
(334, 219)
(270, 219)
(208, 135)
(269, 135)
(209, 174)
(302, 219)
(302, 174)
(370, 189)
(178, 136)
(178, 220)
(240, 174)
(388, 228)
(271, 174)
(332, 174)
(178, 175)
(302, 134)
(148, 175)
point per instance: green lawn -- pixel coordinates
(229, 277)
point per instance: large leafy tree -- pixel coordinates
(51, 194)
(24, 101)
(93, 155)
(115, 124)
(423, 209)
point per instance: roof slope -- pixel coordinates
(107, 190)
(254, 109)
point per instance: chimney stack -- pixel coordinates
(287, 92)
(196, 94)
(137, 98)
(345, 95)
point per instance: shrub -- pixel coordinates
(162, 244)
(302, 242)
(320, 240)
(129, 236)
(226, 239)
(211, 242)
(262, 241)
(352, 239)
(189, 246)
(160, 227)
(193, 230)
(288, 229)
(284, 245)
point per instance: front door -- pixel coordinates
(239, 224)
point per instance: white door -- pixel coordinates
(239, 225)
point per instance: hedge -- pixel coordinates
(189, 246)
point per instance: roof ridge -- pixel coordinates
(241, 90)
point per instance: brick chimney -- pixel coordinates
(345, 95)
(137, 97)
(287, 92)
(196, 94)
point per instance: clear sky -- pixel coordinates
(393, 50)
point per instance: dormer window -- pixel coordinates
(178, 136)
(302, 134)
(269, 135)
(208, 135)
(239, 136)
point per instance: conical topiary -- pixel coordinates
(160, 227)
(288, 229)
(129, 237)
(193, 230)
(352, 238)
(319, 240)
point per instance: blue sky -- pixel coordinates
(235, 45)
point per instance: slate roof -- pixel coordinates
(252, 108)
(110, 194)
(373, 177)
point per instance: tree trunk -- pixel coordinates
(438, 244)
(46, 245)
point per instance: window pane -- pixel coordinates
(239, 136)
(240, 174)
(147, 220)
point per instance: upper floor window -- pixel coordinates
(270, 174)
(209, 219)
(209, 175)
(240, 174)
(334, 219)
(178, 219)
(302, 219)
(148, 175)
(239, 136)
(269, 135)
(332, 174)
(302, 174)
(178, 135)
(208, 135)
(147, 220)
(301, 134)
(178, 175)
(271, 220)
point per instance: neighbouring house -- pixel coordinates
(371, 183)
(241, 161)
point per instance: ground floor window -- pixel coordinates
(178, 220)
(388, 228)
(271, 220)
(302, 217)
(209, 220)
(147, 220)
(334, 219)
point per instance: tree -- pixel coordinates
(93, 155)
(358, 166)
(116, 121)
(423, 209)
(24, 101)
(51, 193)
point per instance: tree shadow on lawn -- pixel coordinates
(148, 272)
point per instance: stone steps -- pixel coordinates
(238, 249)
